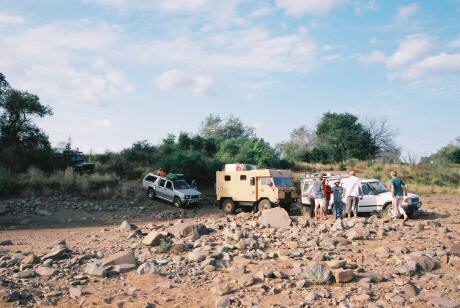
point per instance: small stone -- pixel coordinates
(409, 291)
(342, 276)
(442, 302)
(96, 269)
(293, 244)
(223, 302)
(318, 274)
(6, 243)
(311, 297)
(126, 226)
(122, 257)
(153, 239)
(25, 274)
(30, 260)
(46, 271)
(148, 268)
(196, 256)
(241, 244)
(455, 250)
(75, 293)
(335, 264)
(58, 252)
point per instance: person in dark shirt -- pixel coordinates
(399, 191)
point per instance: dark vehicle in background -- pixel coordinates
(77, 161)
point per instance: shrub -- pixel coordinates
(8, 183)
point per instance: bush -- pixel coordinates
(8, 183)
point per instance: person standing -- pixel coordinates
(318, 196)
(353, 192)
(327, 196)
(399, 191)
(337, 195)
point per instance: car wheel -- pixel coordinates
(177, 202)
(229, 206)
(388, 211)
(151, 193)
(264, 205)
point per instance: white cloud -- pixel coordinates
(434, 65)
(404, 12)
(54, 61)
(410, 49)
(370, 5)
(104, 123)
(375, 57)
(201, 84)
(7, 19)
(261, 12)
(308, 7)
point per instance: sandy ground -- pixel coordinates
(96, 232)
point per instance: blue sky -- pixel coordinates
(119, 71)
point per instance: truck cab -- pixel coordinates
(254, 189)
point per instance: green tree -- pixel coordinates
(214, 127)
(341, 137)
(22, 142)
(301, 141)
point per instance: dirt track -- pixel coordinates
(93, 232)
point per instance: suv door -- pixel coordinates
(159, 188)
(169, 191)
(369, 202)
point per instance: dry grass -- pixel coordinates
(421, 178)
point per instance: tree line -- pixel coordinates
(338, 137)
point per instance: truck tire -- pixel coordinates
(229, 206)
(151, 193)
(264, 205)
(177, 202)
(387, 211)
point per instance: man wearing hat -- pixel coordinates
(337, 194)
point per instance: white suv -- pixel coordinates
(179, 192)
(377, 198)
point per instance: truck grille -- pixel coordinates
(195, 196)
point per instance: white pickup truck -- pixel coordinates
(377, 198)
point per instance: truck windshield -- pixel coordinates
(378, 187)
(181, 184)
(282, 181)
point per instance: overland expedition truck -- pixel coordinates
(254, 189)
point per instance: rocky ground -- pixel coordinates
(200, 258)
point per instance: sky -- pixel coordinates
(119, 71)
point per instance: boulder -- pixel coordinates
(357, 233)
(152, 239)
(148, 268)
(122, 257)
(423, 263)
(276, 218)
(185, 229)
(318, 274)
(25, 274)
(178, 248)
(342, 276)
(124, 268)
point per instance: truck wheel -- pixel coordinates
(229, 206)
(264, 205)
(177, 202)
(387, 211)
(151, 193)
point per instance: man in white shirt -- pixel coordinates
(353, 192)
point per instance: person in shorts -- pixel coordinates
(399, 190)
(337, 195)
(318, 196)
(353, 192)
